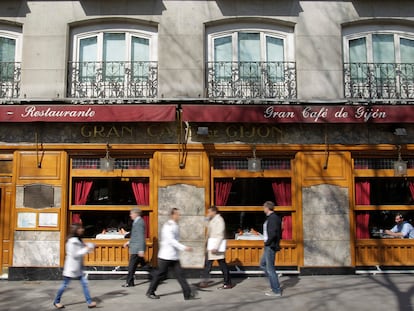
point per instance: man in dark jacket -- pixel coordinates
(272, 232)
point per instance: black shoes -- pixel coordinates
(152, 296)
(128, 285)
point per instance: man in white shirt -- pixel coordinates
(168, 256)
(402, 229)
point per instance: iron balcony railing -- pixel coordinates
(10, 79)
(379, 80)
(113, 79)
(250, 80)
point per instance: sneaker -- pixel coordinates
(273, 294)
(225, 286)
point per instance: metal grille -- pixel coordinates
(378, 164)
(379, 80)
(10, 76)
(252, 80)
(113, 79)
(120, 163)
(242, 164)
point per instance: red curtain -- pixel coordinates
(362, 197)
(141, 193)
(82, 189)
(76, 218)
(282, 190)
(411, 186)
(222, 190)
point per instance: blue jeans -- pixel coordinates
(66, 281)
(267, 263)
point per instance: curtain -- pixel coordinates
(140, 57)
(411, 186)
(82, 189)
(249, 55)
(87, 58)
(362, 197)
(358, 58)
(222, 191)
(113, 55)
(141, 193)
(407, 56)
(282, 190)
(76, 218)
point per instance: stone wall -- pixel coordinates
(326, 226)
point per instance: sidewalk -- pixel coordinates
(316, 293)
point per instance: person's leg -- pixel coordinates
(207, 268)
(179, 274)
(61, 289)
(132, 266)
(85, 288)
(270, 268)
(263, 262)
(225, 270)
(159, 275)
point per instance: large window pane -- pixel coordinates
(140, 58)
(407, 60)
(7, 58)
(358, 59)
(275, 58)
(384, 57)
(87, 58)
(114, 55)
(223, 57)
(249, 55)
(390, 191)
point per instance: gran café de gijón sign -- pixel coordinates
(315, 161)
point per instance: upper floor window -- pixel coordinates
(9, 64)
(379, 65)
(251, 64)
(114, 63)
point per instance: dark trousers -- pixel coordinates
(134, 260)
(223, 266)
(161, 274)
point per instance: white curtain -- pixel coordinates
(383, 51)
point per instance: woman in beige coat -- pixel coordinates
(216, 248)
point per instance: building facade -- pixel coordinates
(105, 105)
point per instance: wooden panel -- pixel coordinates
(5, 224)
(328, 167)
(27, 167)
(398, 252)
(248, 253)
(112, 253)
(192, 170)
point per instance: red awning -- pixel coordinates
(299, 113)
(87, 113)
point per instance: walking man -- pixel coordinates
(272, 231)
(216, 248)
(136, 246)
(168, 256)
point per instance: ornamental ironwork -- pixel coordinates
(252, 80)
(379, 80)
(113, 80)
(10, 73)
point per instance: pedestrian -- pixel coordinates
(272, 231)
(136, 246)
(73, 267)
(216, 248)
(168, 256)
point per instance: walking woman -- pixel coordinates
(73, 268)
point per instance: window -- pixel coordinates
(9, 64)
(251, 64)
(379, 65)
(101, 200)
(240, 198)
(379, 196)
(114, 63)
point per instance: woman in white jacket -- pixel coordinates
(73, 268)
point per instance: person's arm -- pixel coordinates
(141, 238)
(271, 230)
(170, 237)
(394, 232)
(76, 250)
(220, 227)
